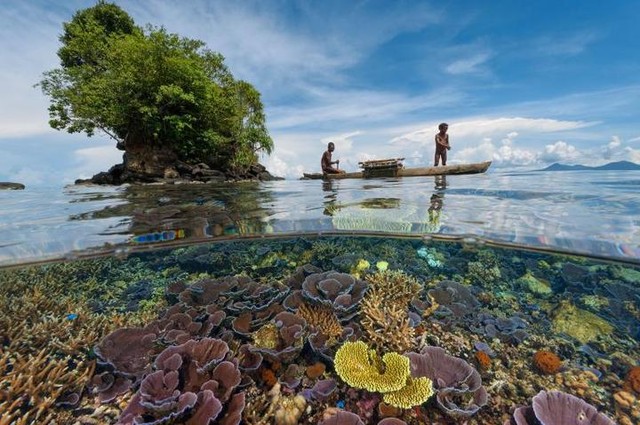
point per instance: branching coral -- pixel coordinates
(394, 286)
(321, 319)
(47, 332)
(384, 311)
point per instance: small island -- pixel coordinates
(169, 103)
(612, 166)
(11, 186)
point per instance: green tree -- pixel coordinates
(162, 97)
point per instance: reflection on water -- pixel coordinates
(592, 213)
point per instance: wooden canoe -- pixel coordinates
(479, 167)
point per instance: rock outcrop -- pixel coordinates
(11, 186)
(176, 172)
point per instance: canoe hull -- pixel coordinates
(475, 168)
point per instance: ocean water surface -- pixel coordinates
(445, 300)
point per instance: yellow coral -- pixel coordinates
(416, 392)
(266, 337)
(382, 265)
(356, 365)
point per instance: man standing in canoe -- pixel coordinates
(442, 144)
(327, 164)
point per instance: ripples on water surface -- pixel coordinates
(416, 263)
(583, 212)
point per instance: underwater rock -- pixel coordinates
(558, 408)
(455, 296)
(11, 186)
(579, 324)
(454, 380)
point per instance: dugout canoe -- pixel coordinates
(475, 168)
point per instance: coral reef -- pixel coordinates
(248, 331)
(558, 408)
(459, 389)
(580, 324)
(359, 367)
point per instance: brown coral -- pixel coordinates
(315, 370)
(386, 325)
(547, 362)
(395, 286)
(632, 380)
(483, 360)
(321, 319)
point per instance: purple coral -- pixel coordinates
(339, 291)
(342, 417)
(458, 385)
(193, 383)
(290, 330)
(558, 408)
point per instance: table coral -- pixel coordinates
(416, 392)
(355, 364)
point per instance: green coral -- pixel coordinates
(534, 285)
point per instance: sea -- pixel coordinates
(507, 297)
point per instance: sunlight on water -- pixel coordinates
(584, 212)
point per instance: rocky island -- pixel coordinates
(167, 101)
(11, 186)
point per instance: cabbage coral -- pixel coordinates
(356, 365)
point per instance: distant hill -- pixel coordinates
(612, 166)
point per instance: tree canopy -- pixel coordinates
(147, 86)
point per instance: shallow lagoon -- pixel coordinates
(234, 284)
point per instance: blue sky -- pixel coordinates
(524, 83)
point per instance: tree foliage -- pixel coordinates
(147, 86)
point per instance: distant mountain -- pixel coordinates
(612, 166)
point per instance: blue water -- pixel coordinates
(585, 212)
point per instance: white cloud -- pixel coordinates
(30, 176)
(565, 45)
(469, 65)
(343, 141)
(632, 155)
(612, 148)
(560, 152)
(90, 161)
(471, 130)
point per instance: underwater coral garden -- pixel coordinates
(326, 330)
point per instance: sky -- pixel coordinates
(522, 83)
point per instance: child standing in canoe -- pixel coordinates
(442, 144)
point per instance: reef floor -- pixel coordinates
(318, 330)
